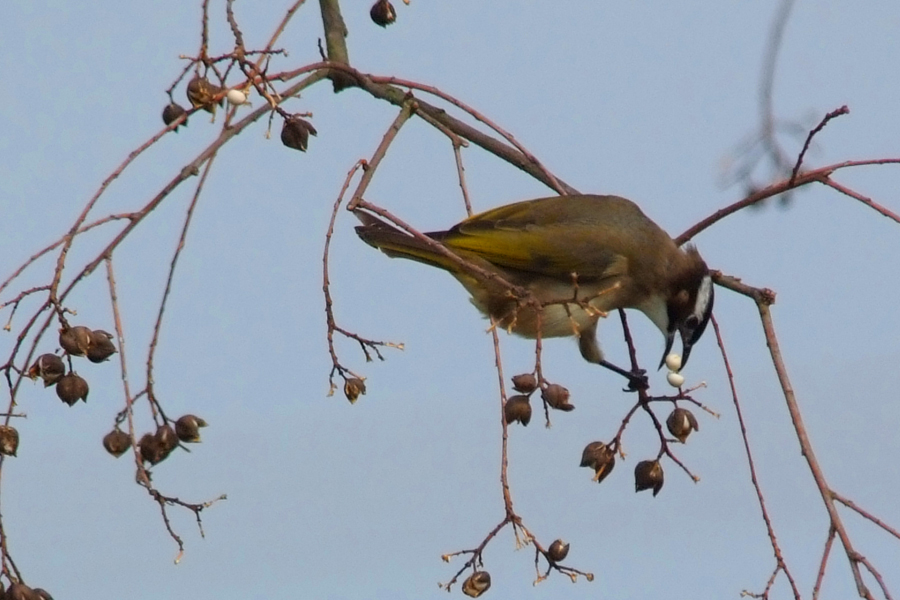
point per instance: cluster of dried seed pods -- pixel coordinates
(78, 340)
(156, 447)
(518, 407)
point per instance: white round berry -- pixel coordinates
(236, 97)
(675, 379)
(673, 361)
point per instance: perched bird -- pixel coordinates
(581, 256)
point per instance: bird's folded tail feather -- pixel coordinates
(398, 244)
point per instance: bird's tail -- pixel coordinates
(396, 243)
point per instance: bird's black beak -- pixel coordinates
(670, 339)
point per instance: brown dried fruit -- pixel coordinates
(101, 347)
(42, 594)
(681, 422)
(518, 408)
(353, 387)
(151, 450)
(171, 113)
(476, 584)
(383, 13)
(187, 428)
(117, 442)
(75, 340)
(71, 388)
(525, 383)
(167, 438)
(9, 440)
(200, 93)
(295, 133)
(558, 551)
(20, 591)
(48, 367)
(557, 397)
(599, 457)
(648, 474)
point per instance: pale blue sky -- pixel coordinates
(328, 500)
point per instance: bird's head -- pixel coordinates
(689, 306)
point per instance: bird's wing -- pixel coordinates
(549, 236)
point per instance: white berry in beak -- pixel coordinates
(675, 379)
(673, 362)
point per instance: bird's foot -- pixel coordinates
(637, 380)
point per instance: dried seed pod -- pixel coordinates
(353, 387)
(151, 450)
(171, 113)
(42, 594)
(101, 347)
(599, 457)
(71, 388)
(75, 340)
(167, 438)
(681, 422)
(48, 367)
(116, 442)
(525, 383)
(476, 584)
(383, 13)
(648, 474)
(518, 408)
(200, 93)
(295, 133)
(9, 440)
(557, 397)
(187, 428)
(20, 591)
(558, 551)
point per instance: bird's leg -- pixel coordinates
(636, 380)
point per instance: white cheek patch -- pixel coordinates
(704, 293)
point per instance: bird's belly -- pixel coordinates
(555, 320)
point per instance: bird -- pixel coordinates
(579, 256)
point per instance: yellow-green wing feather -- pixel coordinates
(550, 236)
